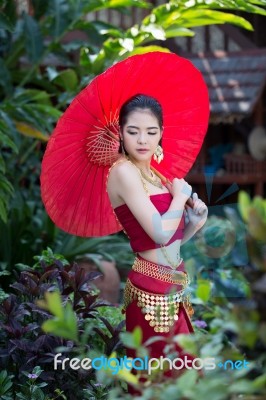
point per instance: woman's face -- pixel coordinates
(141, 134)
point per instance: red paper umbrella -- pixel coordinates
(85, 141)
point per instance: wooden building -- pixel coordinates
(236, 82)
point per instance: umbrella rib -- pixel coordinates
(89, 202)
(60, 190)
(99, 97)
(53, 184)
(79, 198)
(69, 194)
(66, 146)
(121, 92)
(52, 166)
(88, 111)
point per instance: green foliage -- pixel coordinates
(5, 385)
(32, 389)
(203, 291)
(26, 57)
(244, 204)
(132, 340)
(211, 255)
(67, 320)
(64, 323)
(30, 230)
(39, 76)
(253, 213)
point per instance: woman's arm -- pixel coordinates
(129, 188)
(197, 217)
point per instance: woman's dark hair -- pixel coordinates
(141, 101)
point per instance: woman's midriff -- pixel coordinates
(156, 256)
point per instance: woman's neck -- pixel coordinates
(142, 165)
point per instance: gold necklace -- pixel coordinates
(172, 264)
(153, 180)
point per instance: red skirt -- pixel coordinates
(135, 317)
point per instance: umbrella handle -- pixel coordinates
(189, 201)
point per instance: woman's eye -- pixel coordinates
(132, 133)
(152, 133)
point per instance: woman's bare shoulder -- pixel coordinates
(121, 172)
(123, 168)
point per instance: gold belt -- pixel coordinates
(161, 310)
(160, 272)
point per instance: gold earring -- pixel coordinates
(158, 154)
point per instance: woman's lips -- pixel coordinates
(142, 150)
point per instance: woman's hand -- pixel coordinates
(198, 213)
(179, 188)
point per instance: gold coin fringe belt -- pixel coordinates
(160, 272)
(161, 311)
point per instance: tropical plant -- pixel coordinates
(253, 212)
(214, 258)
(233, 340)
(40, 73)
(23, 343)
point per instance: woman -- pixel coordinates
(152, 215)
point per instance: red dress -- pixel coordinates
(154, 283)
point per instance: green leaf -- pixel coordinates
(34, 40)
(98, 62)
(2, 164)
(67, 79)
(258, 204)
(45, 110)
(203, 290)
(6, 186)
(104, 28)
(5, 140)
(37, 370)
(187, 381)
(259, 382)
(193, 18)
(133, 339)
(128, 3)
(5, 78)
(97, 5)
(53, 304)
(241, 5)
(176, 30)
(241, 386)
(65, 322)
(186, 342)
(6, 23)
(3, 211)
(147, 49)
(32, 95)
(60, 23)
(60, 328)
(244, 204)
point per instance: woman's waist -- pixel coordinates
(158, 278)
(157, 255)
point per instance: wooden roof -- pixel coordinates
(235, 81)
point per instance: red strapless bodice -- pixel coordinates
(139, 239)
